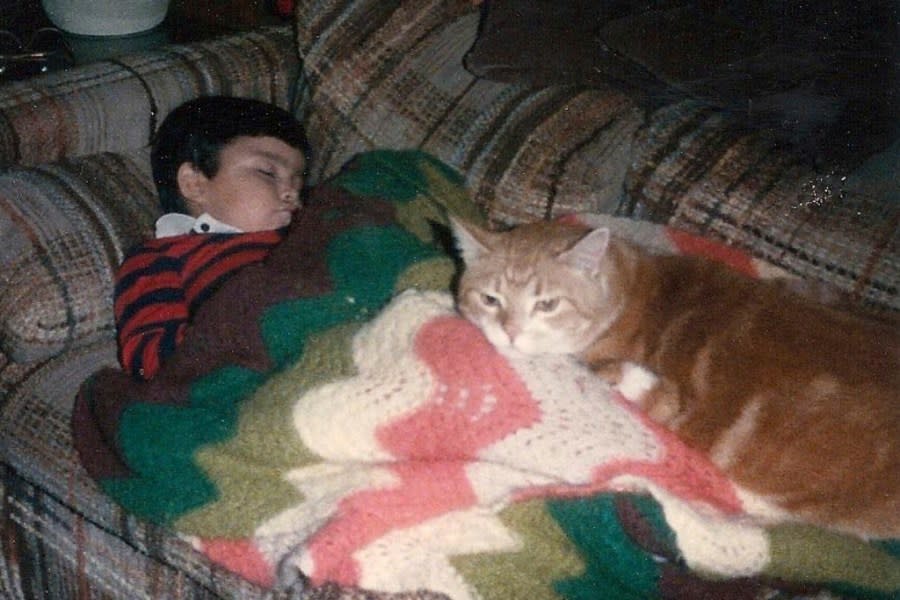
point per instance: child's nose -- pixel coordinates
(290, 195)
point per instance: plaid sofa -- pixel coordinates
(76, 193)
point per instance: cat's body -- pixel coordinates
(797, 401)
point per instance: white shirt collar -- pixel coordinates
(178, 224)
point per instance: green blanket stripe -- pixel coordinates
(655, 517)
(854, 567)
(546, 556)
(574, 547)
(419, 214)
(248, 468)
(160, 443)
(617, 569)
(424, 188)
(356, 297)
(434, 274)
(400, 176)
(892, 547)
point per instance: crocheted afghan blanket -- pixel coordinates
(329, 419)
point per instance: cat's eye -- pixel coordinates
(489, 300)
(546, 305)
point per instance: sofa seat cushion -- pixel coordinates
(65, 228)
(50, 503)
(389, 75)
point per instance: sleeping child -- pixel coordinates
(229, 173)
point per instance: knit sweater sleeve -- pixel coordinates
(151, 309)
(161, 284)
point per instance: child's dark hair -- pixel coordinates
(196, 132)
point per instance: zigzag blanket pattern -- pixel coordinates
(330, 413)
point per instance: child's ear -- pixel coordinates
(191, 183)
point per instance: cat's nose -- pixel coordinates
(512, 329)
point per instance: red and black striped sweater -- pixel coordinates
(160, 285)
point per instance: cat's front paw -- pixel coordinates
(657, 396)
(635, 382)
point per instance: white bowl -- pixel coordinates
(105, 17)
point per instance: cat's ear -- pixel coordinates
(588, 252)
(471, 240)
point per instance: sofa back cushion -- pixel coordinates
(696, 170)
(65, 228)
(115, 105)
(390, 74)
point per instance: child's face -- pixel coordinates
(256, 188)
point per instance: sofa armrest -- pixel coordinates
(65, 227)
(115, 105)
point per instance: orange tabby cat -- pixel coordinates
(798, 402)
